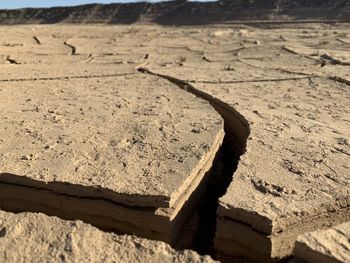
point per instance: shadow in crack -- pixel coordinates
(236, 134)
(221, 178)
(3, 232)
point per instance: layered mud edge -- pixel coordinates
(237, 131)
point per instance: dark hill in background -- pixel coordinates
(185, 13)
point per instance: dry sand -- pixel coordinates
(283, 94)
(31, 237)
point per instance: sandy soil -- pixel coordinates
(30, 237)
(283, 95)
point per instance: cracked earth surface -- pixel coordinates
(96, 112)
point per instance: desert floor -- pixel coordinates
(230, 140)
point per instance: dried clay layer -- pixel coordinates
(296, 161)
(330, 245)
(146, 147)
(295, 168)
(31, 237)
(235, 238)
(295, 165)
(151, 222)
(296, 157)
(143, 141)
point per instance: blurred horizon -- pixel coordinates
(15, 4)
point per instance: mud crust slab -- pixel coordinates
(134, 145)
(329, 245)
(295, 163)
(128, 140)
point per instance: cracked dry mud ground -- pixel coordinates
(123, 127)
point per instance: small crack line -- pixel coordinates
(323, 59)
(342, 151)
(342, 41)
(66, 77)
(36, 39)
(242, 60)
(251, 81)
(286, 48)
(339, 79)
(89, 58)
(12, 61)
(293, 226)
(73, 48)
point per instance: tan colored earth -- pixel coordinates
(330, 245)
(31, 237)
(123, 127)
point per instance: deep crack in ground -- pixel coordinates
(236, 135)
(73, 48)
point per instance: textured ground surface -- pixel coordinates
(131, 135)
(38, 238)
(330, 245)
(283, 93)
(292, 88)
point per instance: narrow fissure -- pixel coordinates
(236, 134)
(37, 40)
(67, 77)
(73, 48)
(222, 175)
(11, 61)
(251, 81)
(341, 80)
